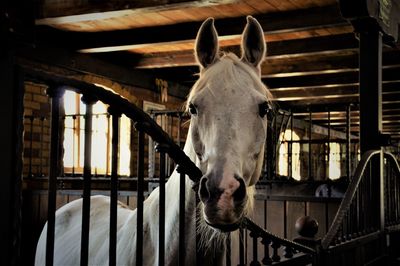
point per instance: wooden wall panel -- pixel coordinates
(275, 217)
(294, 211)
(317, 211)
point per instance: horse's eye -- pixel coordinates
(263, 108)
(192, 109)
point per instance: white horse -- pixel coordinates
(228, 106)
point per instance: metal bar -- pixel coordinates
(41, 146)
(86, 181)
(348, 124)
(30, 174)
(161, 230)
(255, 261)
(241, 247)
(228, 250)
(179, 129)
(182, 191)
(53, 171)
(309, 147)
(114, 189)
(275, 145)
(140, 199)
(290, 148)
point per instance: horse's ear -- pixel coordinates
(206, 48)
(253, 43)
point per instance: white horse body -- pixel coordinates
(68, 229)
(239, 99)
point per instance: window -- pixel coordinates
(334, 161)
(74, 138)
(283, 155)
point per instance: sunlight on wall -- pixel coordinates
(283, 155)
(74, 136)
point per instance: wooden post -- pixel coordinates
(375, 22)
(11, 141)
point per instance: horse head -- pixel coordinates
(228, 107)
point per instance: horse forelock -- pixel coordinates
(230, 70)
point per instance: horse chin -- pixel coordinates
(226, 228)
(224, 222)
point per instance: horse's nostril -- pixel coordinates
(203, 192)
(240, 192)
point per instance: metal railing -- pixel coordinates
(165, 145)
(371, 201)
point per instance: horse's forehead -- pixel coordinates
(230, 93)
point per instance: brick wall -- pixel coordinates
(36, 130)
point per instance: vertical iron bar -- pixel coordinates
(255, 261)
(41, 145)
(55, 95)
(228, 250)
(30, 174)
(140, 198)
(182, 191)
(275, 144)
(290, 148)
(114, 189)
(241, 247)
(310, 177)
(161, 231)
(86, 181)
(348, 125)
(179, 129)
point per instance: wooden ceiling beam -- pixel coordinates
(350, 77)
(280, 22)
(85, 64)
(389, 88)
(61, 12)
(329, 99)
(341, 61)
(322, 46)
(333, 106)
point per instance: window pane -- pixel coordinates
(334, 161)
(283, 155)
(68, 147)
(70, 103)
(125, 144)
(99, 142)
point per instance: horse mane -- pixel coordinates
(229, 69)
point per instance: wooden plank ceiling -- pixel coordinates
(312, 58)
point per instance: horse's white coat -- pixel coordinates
(227, 93)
